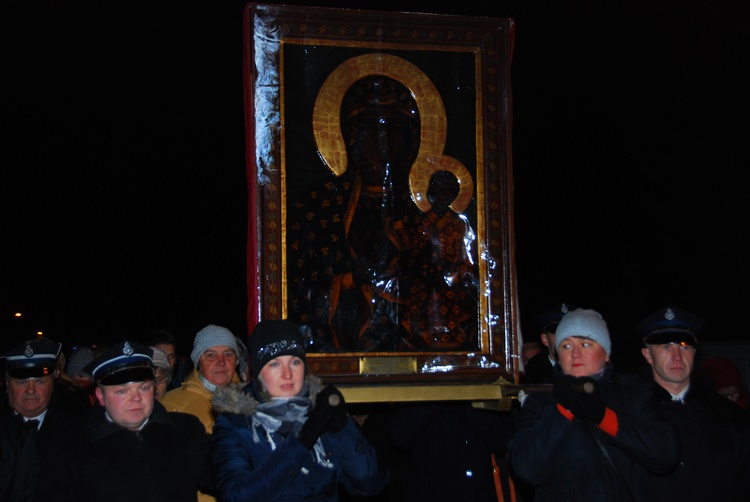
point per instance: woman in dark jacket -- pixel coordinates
(598, 434)
(285, 436)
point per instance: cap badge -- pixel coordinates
(29, 352)
(564, 309)
(127, 349)
(669, 315)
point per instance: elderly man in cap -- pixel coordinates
(119, 453)
(215, 359)
(30, 419)
(599, 432)
(714, 434)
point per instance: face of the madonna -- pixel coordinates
(217, 364)
(671, 364)
(128, 405)
(283, 376)
(30, 396)
(580, 357)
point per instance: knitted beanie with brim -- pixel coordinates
(584, 323)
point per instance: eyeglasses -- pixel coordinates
(212, 355)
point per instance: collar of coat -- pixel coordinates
(243, 399)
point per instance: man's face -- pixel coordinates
(128, 405)
(217, 364)
(171, 352)
(30, 396)
(548, 339)
(671, 364)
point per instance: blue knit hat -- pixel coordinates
(585, 323)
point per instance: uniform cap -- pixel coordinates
(123, 362)
(32, 359)
(550, 318)
(669, 325)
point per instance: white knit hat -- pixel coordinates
(212, 336)
(585, 323)
(160, 358)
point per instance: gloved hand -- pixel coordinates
(320, 418)
(590, 400)
(564, 391)
(338, 420)
(582, 396)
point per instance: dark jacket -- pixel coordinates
(21, 450)
(252, 463)
(714, 435)
(103, 461)
(574, 460)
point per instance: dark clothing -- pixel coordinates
(448, 449)
(575, 460)
(255, 462)
(538, 369)
(102, 461)
(21, 449)
(714, 434)
(182, 369)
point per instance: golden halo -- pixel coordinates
(330, 142)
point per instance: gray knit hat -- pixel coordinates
(159, 357)
(80, 358)
(212, 336)
(585, 323)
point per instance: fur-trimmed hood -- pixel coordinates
(243, 398)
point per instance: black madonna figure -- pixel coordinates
(370, 269)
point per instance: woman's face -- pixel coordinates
(283, 376)
(161, 381)
(580, 357)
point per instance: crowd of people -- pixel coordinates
(239, 421)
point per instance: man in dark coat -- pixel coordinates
(30, 417)
(124, 451)
(714, 433)
(539, 368)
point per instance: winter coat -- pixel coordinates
(252, 463)
(193, 397)
(571, 459)
(714, 436)
(21, 451)
(102, 461)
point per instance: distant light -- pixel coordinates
(39, 333)
(17, 314)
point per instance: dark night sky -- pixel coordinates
(123, 190)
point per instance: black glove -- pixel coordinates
(338, 420)
(582, 396)
(590, 401)
(320, 418)
(564, 391)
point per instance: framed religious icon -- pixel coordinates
(380, 182)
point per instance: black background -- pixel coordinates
(123, 193)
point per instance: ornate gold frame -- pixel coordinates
(293, 106)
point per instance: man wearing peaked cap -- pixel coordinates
(127, 437)
(670, 324)
(715, 456)
(539, 368)
(30, 419)
(122, 362)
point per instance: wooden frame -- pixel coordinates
(316, 75)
